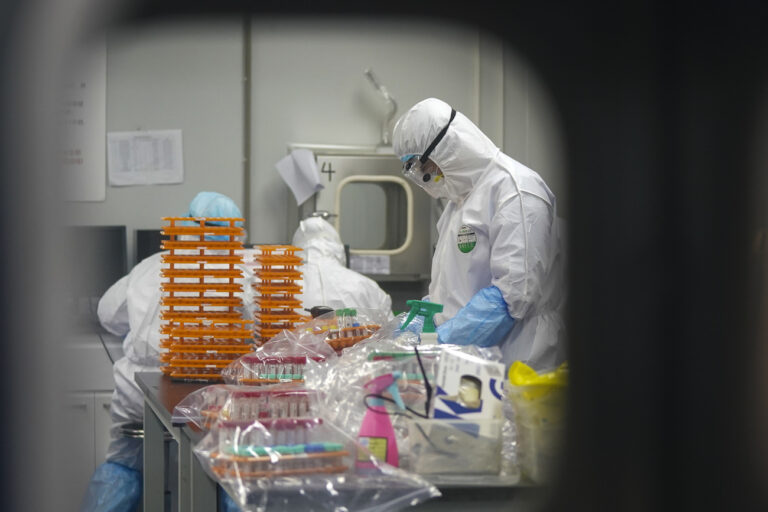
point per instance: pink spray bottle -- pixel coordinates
(376, 431)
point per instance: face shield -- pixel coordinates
(424, 172)
(428, 176)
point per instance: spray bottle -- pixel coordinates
(376, 431)
(428, 310)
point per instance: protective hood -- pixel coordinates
(463, 154)
(319, 239)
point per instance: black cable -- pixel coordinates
(427, 385)
(389, 413)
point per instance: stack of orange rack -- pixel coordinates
(275, 291)
(203, 332)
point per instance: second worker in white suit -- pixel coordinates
(327, 281)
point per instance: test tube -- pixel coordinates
(288, 361)
(272, 367)
(298, 367)
(284, 368)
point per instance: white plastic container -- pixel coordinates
(468, 447)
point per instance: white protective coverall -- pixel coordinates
(327, 281)
(504, 217)
(131, 307)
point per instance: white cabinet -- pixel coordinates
(85, 415)
(102, 423)
(78, 426)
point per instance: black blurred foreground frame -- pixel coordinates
(660, 103)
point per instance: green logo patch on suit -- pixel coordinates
(466, 239)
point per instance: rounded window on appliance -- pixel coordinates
(375, 214)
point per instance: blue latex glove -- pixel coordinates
(484, 321)
(226, 503)
(113, 488)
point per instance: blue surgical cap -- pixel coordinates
(213, 204)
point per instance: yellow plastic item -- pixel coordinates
(539, 404)
(522, 375)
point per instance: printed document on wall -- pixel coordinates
(83, 116)
(149, 157)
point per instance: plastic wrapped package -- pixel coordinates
(284, 357)
(210, 404)
(458, 450)
(345, 328)
(538, 400)
(305, 463)
(281, 359)
(455, 447)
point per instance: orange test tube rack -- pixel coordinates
(202, 331)
(275, 291)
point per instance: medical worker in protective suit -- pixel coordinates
(327, 281)
(497, 266)
(131, 308)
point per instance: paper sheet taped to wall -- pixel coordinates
(145, 157)
(369, 263)
(84, 115)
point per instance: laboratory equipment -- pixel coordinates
(257, 369)
(538, 400)
(376, 432)
(235, 402)
(347, 329)
(277, 447)
(386, 136)
(203, 332)
(302, 463)
(426, 310)
(385, 220)
(275, 291)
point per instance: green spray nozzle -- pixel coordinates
(425, 309)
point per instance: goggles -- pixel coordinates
(414, 166)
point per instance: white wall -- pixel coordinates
(168, 77)
(307, 86)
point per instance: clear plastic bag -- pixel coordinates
(281, 359)
(284, 357)
(224, 402)
(344, 328)
(421, 439)
(538, 400)
(304, 463)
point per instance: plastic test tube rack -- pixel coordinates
(275, 291)
(203, 332)
(260, 405)
(277, 447)
(346, 331)
(262, 369)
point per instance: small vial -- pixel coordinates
(289, 361)
(271, 363)
(298, 368)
